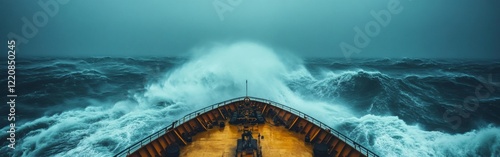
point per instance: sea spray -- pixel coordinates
(99, 106)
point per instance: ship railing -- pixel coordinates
(196, 113)
(313, 120)
(165, 130)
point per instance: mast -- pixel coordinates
(246, 88)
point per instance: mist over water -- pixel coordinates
(395, 107)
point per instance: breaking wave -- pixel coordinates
(99, 106)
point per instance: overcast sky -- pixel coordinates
(418, 28)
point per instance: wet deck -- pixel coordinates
(277, 142)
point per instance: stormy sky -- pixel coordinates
(367, 28)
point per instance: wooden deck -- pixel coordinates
(278, 141)
(197, 139)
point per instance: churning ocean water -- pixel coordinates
(395, 107)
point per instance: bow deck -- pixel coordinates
(215, 130)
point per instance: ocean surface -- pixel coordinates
(396, 107)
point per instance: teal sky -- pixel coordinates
(422, 28)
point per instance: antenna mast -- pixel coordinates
(246, 88)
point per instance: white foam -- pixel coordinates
(391, 136)
(217, 73)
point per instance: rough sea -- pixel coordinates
(98, 106)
